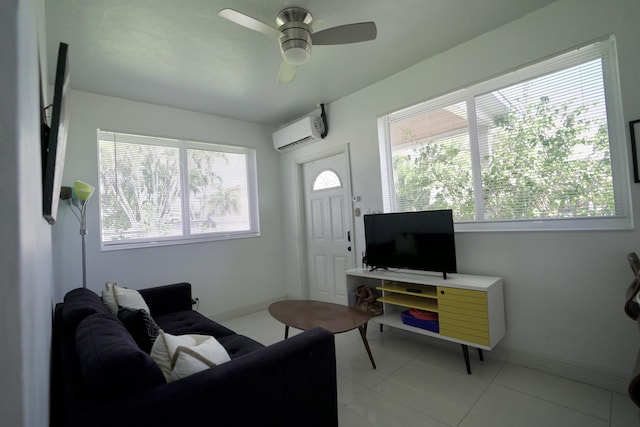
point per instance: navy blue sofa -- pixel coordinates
(100, 377)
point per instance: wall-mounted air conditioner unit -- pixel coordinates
(298, 133)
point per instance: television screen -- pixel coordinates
(54, 138)
(411, 240)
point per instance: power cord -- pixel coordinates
(325, 131)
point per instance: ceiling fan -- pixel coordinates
(296, 35)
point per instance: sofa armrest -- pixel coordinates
(634, 385)
(290, 383)
(168, 298)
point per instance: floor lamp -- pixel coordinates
(81, 192)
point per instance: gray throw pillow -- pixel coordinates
(140, 325)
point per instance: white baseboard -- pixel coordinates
(243, 311)
(581, 374)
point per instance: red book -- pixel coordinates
(423, 315)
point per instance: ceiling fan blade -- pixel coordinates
(249, 22)
(286, 73)
(350, 33)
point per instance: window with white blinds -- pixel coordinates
(542, 147)
(156, 191)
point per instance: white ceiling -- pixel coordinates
(182, 54)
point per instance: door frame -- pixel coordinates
(302, 214)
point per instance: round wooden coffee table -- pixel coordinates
(335, 318)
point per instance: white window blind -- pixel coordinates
(164, 191)
(538, 148)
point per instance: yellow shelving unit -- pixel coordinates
(470, 308)
(410, 301)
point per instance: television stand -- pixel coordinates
(469, 308)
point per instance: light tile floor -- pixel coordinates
(419, 383)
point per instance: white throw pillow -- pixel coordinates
(203, 355)
(114, 297)
(179, 356)
(160, 354)
(109, 298)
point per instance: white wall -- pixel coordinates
(25, 254)
(564, 291)
(226, 275)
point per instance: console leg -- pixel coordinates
(286, 331)
(480, 355)
(465, 352)
(380, 327)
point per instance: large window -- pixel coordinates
(163, 191)
(538, 148)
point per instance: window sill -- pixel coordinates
(127, 244)
(569, 224)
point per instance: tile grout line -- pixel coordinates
(611, 411)
(473, 405)
(417, 357)
(555, 403)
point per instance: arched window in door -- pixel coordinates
(325, 180)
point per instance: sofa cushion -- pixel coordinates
(110, 360)
(78, 304)
(141, 326)
(237, 345)
(168, 298)
(191, 322)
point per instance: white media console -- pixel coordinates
(470, 308)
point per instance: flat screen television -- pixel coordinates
(54, 138)
(421, 240)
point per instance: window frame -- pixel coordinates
(603, 48)
(186, 236)
(326, 171)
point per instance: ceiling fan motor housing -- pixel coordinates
(295, 42)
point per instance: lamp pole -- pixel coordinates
(83, 236)
(80, 194)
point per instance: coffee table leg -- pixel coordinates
(363, 334)
(286, 331)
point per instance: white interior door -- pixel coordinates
(328, 223)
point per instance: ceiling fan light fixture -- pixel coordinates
(293, 14)
(295, 42)
(295, 34)
(296, 55)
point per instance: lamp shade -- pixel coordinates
(82, 190)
